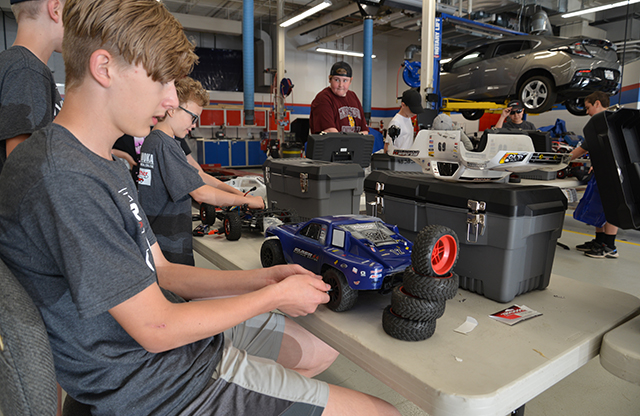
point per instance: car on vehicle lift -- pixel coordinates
(538, 70)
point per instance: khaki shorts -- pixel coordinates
(248, 381)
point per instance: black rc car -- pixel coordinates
(235, 219)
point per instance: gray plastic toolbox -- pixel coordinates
(384, 161)
(507, 233)
(314, 188)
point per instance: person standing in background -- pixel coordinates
(336, 109)
(29, 98)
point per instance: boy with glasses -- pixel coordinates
(123, 339)
(167, 181)
(515, 112)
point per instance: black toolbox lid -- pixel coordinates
(315, 169)
(613, 140)
(500, 198)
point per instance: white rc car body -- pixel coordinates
(442, 153)
(247, 184)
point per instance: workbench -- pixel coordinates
(492, 370)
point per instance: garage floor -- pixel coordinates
(591, 390)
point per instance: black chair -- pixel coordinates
(27, 375)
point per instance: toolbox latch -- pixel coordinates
(377, 206)
(379, 187)
(304, 182)
(475, 220)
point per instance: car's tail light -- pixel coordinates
(583, 73)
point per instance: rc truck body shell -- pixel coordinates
(365, 249)
(442, 153)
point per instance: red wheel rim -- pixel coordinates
(227, 227)
(444, 254)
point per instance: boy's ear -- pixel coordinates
(101, 65)
(54, 8)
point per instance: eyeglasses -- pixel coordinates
(516, 111)
(194, 117)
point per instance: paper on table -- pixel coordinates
(467, 326)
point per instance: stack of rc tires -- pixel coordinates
(428, 283)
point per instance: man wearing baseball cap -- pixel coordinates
(336, 109)
(400, 131)
(29, 98)
(515, 112)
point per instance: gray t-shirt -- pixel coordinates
(525, 125)
(165, 180)
(29, 98)
(72, 232)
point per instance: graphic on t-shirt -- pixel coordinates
(146, 160)
(144, 176)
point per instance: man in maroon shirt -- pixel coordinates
(335, 108)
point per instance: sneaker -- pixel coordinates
(587, 246)
(602, 251)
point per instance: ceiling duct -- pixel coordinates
(351, 30)
(540, 24)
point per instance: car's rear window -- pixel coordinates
(374, 231)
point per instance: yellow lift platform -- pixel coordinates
(454, 104)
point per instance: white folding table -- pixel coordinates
(492, 370)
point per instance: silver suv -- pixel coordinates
(538, 70)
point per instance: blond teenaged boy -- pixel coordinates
(167, 181)
(73, 233)
(29, 98)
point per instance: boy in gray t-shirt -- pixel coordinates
(167, 181)
(72, 232)
(29, 98)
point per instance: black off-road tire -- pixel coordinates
(435, 251)
(431, 287)
(207, 214)
(406, 329)
(271, 253)
(472, 114)
(576, 106)
(232, 225)
(538, 94)
(410, 307)
(341, 297)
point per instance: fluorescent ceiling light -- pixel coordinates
(337, 52)
(303, 15)
(600, 8)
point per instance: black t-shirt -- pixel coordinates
(73, 233)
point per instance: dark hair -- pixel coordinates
(598, 96)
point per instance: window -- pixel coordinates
(476, 55)
(505, 48)
(337, 239)
(315, 231)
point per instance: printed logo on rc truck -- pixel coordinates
(351, 252)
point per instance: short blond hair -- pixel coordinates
(134, 31)
(27, 9)
(188, 89)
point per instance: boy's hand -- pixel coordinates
(280, 272)
(301, 294)
(255, 202)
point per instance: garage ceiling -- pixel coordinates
(395, 17)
